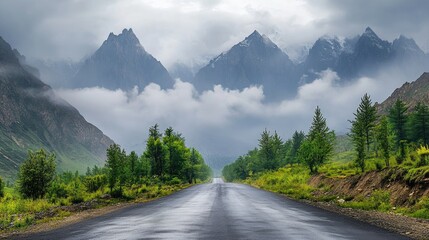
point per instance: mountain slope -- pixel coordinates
(411, 93)
(122, 62)
(254, 61)
(32, 116)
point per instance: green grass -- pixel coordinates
(291, 181)
(379, 200)
(17, 212)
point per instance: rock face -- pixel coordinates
(254, 61)
(32, 117)
(121, 62)
(258, 61)
(411, 93)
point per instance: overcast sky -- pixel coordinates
(219, 121)
(191, 31)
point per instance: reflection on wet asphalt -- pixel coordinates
(220, 211)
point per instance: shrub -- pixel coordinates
(58, 189)
(378, 165)
(36, 174)
(94, 183)
(175, 181)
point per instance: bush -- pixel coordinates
(58, 189)
(94, 183)
(36, 174)
(117, 193)
(175, 181)
(421, 209)
(379, 165)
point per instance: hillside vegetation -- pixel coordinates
(382, 164)
(42, 194)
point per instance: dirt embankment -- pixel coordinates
(404, 191)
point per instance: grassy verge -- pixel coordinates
(293, 181)
(17, 213)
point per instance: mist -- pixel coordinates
(224, 122)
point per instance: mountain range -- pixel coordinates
(33, 117)
(254, 61)
(122, 62)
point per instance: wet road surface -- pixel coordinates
(220, 211)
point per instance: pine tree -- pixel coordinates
(115, 165)
(266, 151)
(297, 139)
(398, 118)
(320, 142)
(133, 168)
(277, 144)
(156, 151)
(383, 139)
(420, 124)
(367, 114)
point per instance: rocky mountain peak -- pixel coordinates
(406, 44)
(255, 39)
(7, 55)
(370, 39)
(125, 40)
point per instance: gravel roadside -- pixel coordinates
(412, 227)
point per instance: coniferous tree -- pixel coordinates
(420, 124)
(357, 134)
(115, 164)
(277, 144)
(362, 131)
(267, 151)
(156, 151)
(398, 118)
(383, 139)
(319, 143)
(133, 167)
(367, 115)
(297, 139)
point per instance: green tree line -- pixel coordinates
(312, 150)
(166, 160)
(396, 134)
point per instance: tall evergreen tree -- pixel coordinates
(133, 167)
(367, 114)
(383, 139)
(420, 124)
(267, 153)
(156, 151)
(320, 142)
(115, 164)
(398, 117)
(297, 139)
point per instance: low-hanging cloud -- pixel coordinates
(221, 121)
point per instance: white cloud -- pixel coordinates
(220, 121)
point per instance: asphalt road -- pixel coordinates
(220, 211)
